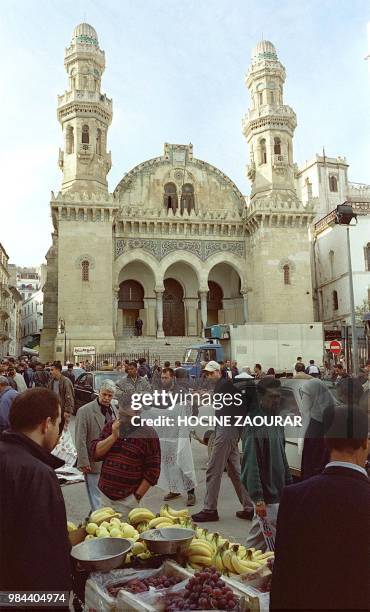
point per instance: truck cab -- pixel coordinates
(195, 354)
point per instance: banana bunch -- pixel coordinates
(167, 512)
(236, 559)
(103, 514)
(200, 554)
(161, 521)
(141, 527)
(140, 515)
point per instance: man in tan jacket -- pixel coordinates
(90, 420)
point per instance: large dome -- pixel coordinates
(85, 33)
(264, 50)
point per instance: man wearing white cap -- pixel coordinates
(225, 453)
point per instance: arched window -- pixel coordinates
(367, 257)
(286, 271)
(263, 155)
(85, 134)
(70, 140)
(260, 97)
(170, 197)
(98, 141)
(335, 300)
(85, 266)
(333, 183)
(277, 146)
(272, 100)
(187, 197)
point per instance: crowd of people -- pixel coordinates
(121, 458)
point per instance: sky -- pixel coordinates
(175, 71)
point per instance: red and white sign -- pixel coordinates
(335, 347)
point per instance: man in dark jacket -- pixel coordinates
(33, 525)
(323, 527)
(62, 386)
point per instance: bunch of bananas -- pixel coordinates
(236, 559)
(140, 515)
(143, 519)
(103, 514)
(200, 553)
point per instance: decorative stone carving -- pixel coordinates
(160, 248)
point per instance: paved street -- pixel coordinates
(231, 527)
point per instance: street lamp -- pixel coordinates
(343, 216)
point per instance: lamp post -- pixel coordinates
(344, 216)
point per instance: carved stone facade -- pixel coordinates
(176, 244)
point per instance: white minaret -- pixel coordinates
(269, 124)
(85, 115)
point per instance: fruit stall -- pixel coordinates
(164, 563)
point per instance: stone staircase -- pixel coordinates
(166, 349)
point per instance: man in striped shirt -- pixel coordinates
(131, 456)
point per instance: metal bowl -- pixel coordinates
(101, 554)
(168, 540)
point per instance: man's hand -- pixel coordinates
(115, 428)
(86, 469)
(261, 509)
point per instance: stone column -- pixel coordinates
(159, 313)
(115, 310)
(245, 306)
(203, 309)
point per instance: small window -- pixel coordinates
(70, 140)
(85, 270)
(263, 155)
(85, 134)
(260, 97)
(277, 146)
(333, 183)
(286, 271)
(187, 197)
(170, 197)
(272, 100)
(367, 257)
(335, 300)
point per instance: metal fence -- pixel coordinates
(113, 358)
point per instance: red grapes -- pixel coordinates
(205, 591)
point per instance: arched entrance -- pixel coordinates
(214, 302)
(131, 301)
(173, 308)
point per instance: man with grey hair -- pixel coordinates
(90, 420)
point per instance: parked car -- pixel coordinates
(87, 385)
(76, 371)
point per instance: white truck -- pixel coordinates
(273, 345)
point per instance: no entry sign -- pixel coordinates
(335, 347)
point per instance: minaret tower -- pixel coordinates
(276, 221)
(85, 115)
(269, 124)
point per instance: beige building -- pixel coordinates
(10, 309)
(176, 244)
